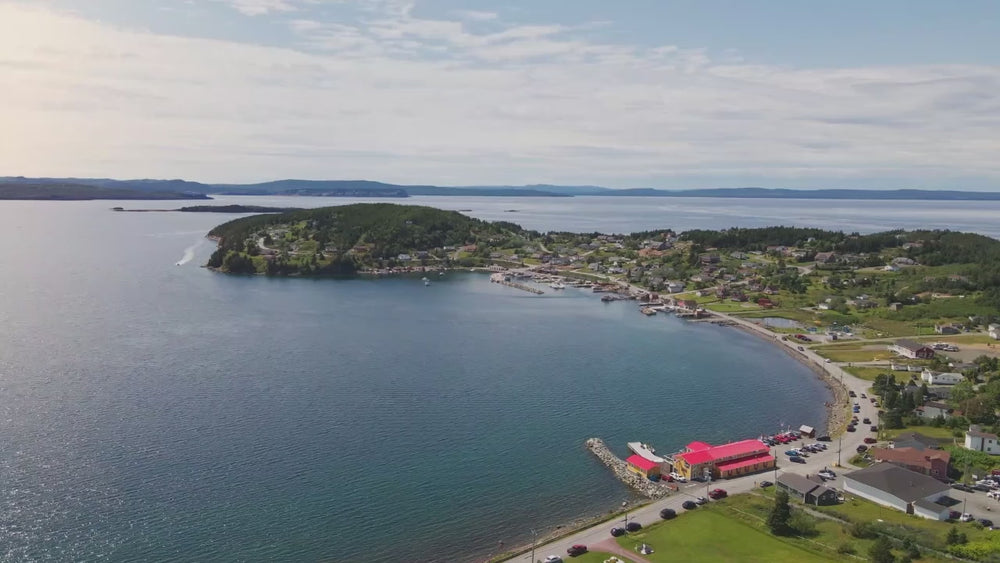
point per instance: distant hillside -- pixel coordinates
(367, 188)
(64, 191)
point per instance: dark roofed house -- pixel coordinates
(933, 463)
(810, 490)
(912, 349)
(826, 257)
(894, 486)
(916, 441)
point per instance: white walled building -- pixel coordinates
(899, 488)
(936, 378)
(976, 439)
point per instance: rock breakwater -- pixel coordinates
(644, 486)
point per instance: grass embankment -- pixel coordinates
(946, 435)
(866, 373)
(856, 355)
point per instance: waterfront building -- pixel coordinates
(642, 466)
(899, 488)
(725, 461)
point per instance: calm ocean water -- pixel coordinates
(160, 412)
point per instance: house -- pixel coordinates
(912, 349)
(725, 461)
(976, 439)
(826, 257)
(895, 306)
(934, 378)
(933, 409)
(994, 331)
(810, 490)
(904, 261)
(675, 286)
(642, 466)
(933, 463)
(403, 257)
(947, 329)
(890, 485)
(807, 431)
(914, 440)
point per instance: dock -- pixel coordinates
(642, 485)
(503, 280)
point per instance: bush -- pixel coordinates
(802, 523)
(846, 549)
(864, 530)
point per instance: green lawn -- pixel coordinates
(804, 317)
(731, 306)
(929, 431)
(590, 557)
(961, 339)
(867, 373)
(854, 355)
(712, 533)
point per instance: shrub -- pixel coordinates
(846, 548)
(864, 530)
(802, 523)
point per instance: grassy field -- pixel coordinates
(854, 355)
(589, 557)
(804, 317)
(711, 533)
(868, 374)
(961, 339)
(878, 327)
(929, 431)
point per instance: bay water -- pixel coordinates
(153, 410)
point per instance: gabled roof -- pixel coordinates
(916, 441)
(733, 450)
(641, 462)
(745, 462)
(901, 483)
(802, 485)
(911, 345)
(698, 446)
(910, 456)
(975, 432)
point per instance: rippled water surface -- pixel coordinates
(154, 411)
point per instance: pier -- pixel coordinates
(502, 280)
(644, 486)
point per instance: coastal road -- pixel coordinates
(841, 449)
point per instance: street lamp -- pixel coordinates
(534, 536)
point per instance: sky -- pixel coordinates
(641, 93)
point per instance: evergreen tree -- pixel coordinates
(777, 520)
(952, 537)
(881, 551)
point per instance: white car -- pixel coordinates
(553, 559)
(967, 517)
(827, 475)
(678, 477)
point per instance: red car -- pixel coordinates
(578, 549)
(870, 440)
(716, 494)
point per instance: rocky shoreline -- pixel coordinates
(645, 487)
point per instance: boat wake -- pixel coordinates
(189, 253)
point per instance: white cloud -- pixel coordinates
(398, 98)
(261, 7)
(476, 15)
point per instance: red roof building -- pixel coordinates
(727, 460)
(643, 466)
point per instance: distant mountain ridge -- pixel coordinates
(367, 188)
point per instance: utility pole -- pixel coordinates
(840, 441)
(534, 536)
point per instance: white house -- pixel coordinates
(976, 439)
(911, 349)
(896, 487)
(994, 331)
(933, 409)
(935, 378)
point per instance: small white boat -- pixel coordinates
(440, 273)
(424, 279)
(557, 285)
(426, 282)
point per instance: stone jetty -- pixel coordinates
(641, 484)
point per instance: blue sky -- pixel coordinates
(645, 93)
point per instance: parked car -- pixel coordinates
(578, 549)
(701, 500)
(796, 459)
(850, 428)
(863, 396)
(870, 440)
(986, 522)
(825, 438)
(801, 349)
(678, 477)
(716, 494)
(826, 475)
(962, 487)
(553, 559)
(954, 515)
(852, 393)
(866, 420)
(668, 513)
(633, 527)
(688, 505)
(874, 428)
(967, 517)
(981, 487)
(862, 448)
(616, 531)
(765, 484)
